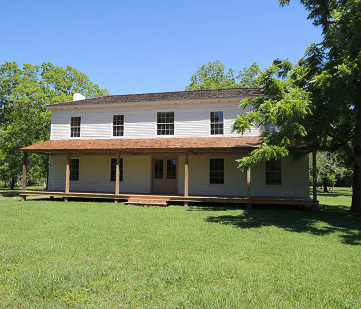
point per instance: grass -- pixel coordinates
(106, 255)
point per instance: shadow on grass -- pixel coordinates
(329, 220)
(9, 193)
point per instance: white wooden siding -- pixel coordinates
(295, 180)
(94, 176)
(191, 120)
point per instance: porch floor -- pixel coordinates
(178, 198)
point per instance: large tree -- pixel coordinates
(213, 75)
(318, 101)
(24, 92)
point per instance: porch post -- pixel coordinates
(186, 167)
(249, 205)
(67, 175)
(25, 162)
(249, 183)
(314, 180)
(117, 174)
(24, 171)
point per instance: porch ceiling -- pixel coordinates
(241, 144)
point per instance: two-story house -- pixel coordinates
(169, 146)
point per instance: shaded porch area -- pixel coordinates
(128, 170)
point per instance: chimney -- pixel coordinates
(78, 96)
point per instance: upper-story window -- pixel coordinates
(273, 172)
(118, 125)
(216, 123)
(271, 127)
(165, 123)
(75, 126)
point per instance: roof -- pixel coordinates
(146, 144)
(168, 96)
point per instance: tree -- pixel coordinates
(214, 76)
(316, 103)
(24, 92)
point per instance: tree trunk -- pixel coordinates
(13, 183)
(325, 184)
(356, 190)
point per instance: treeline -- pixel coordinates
(24, 120)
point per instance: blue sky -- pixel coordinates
(152, 46)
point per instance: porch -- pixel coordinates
(182, 162)
(163, 200)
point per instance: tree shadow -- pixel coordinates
(329, 220)
(9, 193)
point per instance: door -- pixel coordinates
(165, 175)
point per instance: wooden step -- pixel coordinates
(148, 197)
(146, 201)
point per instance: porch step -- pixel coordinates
(147, 201)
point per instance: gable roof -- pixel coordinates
(146, 144)
(167, 96)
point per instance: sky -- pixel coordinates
(144, 46)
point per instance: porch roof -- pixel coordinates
(146, 144)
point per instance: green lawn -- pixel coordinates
(107, 255)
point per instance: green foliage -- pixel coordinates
(24, 92)
(332, 167)
(214, 76)
(317, 102)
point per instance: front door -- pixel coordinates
(165, 175)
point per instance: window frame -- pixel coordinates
(209, 172)
(121, 170)
(164, 123)
(70, 127)
(70, 169)
(112, 126)
(210, 123)
(280, 171)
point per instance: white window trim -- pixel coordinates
(75, 181)
(111, 126)
(110, 168)
(209, 172)
(156, 124)
(282, 177)
(81, 130)
(209, 123)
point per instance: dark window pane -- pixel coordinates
(74, 169)
(118, 125)
(216, 171)
(216, 123)
(75, 126)
(158, 169)
(165, 123)
(171, 169)
(113, 169)
(273, 172)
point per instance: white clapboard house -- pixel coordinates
(159, 147)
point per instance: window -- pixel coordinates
(113, 169)
(271, 127)
(118, 125)
(165, 123)
(74, 169)
(216, 123)
(273, 172)
(216, 171)
(75, 126)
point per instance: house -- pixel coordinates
(160, 147)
